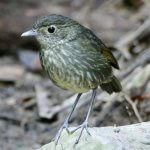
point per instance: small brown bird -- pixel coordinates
(75, 59)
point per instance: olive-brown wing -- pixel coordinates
(110, 57)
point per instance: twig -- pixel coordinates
(142, 59)
(123, 44)
(106, 109)
(134, 106)
(11, 119)
(42, 102)
(44, 109)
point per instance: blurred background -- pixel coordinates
(31, 107)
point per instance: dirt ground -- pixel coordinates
(32, 108)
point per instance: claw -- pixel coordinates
(87, 130)
(57, 137)
(83, 126)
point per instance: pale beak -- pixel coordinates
(29, 33)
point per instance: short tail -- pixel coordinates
(113, 86)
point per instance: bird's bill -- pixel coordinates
(29, 33)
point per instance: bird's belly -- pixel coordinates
(73, 76)
(69, 80)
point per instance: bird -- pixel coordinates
(74, 59)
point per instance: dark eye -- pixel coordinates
(51, 29)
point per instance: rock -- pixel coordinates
(130, 137)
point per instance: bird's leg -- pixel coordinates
(65, 124)
(84, 125)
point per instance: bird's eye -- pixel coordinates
(51, 29)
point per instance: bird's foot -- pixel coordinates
(64, 126)
(83, 126)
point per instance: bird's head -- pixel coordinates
(54, 29)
